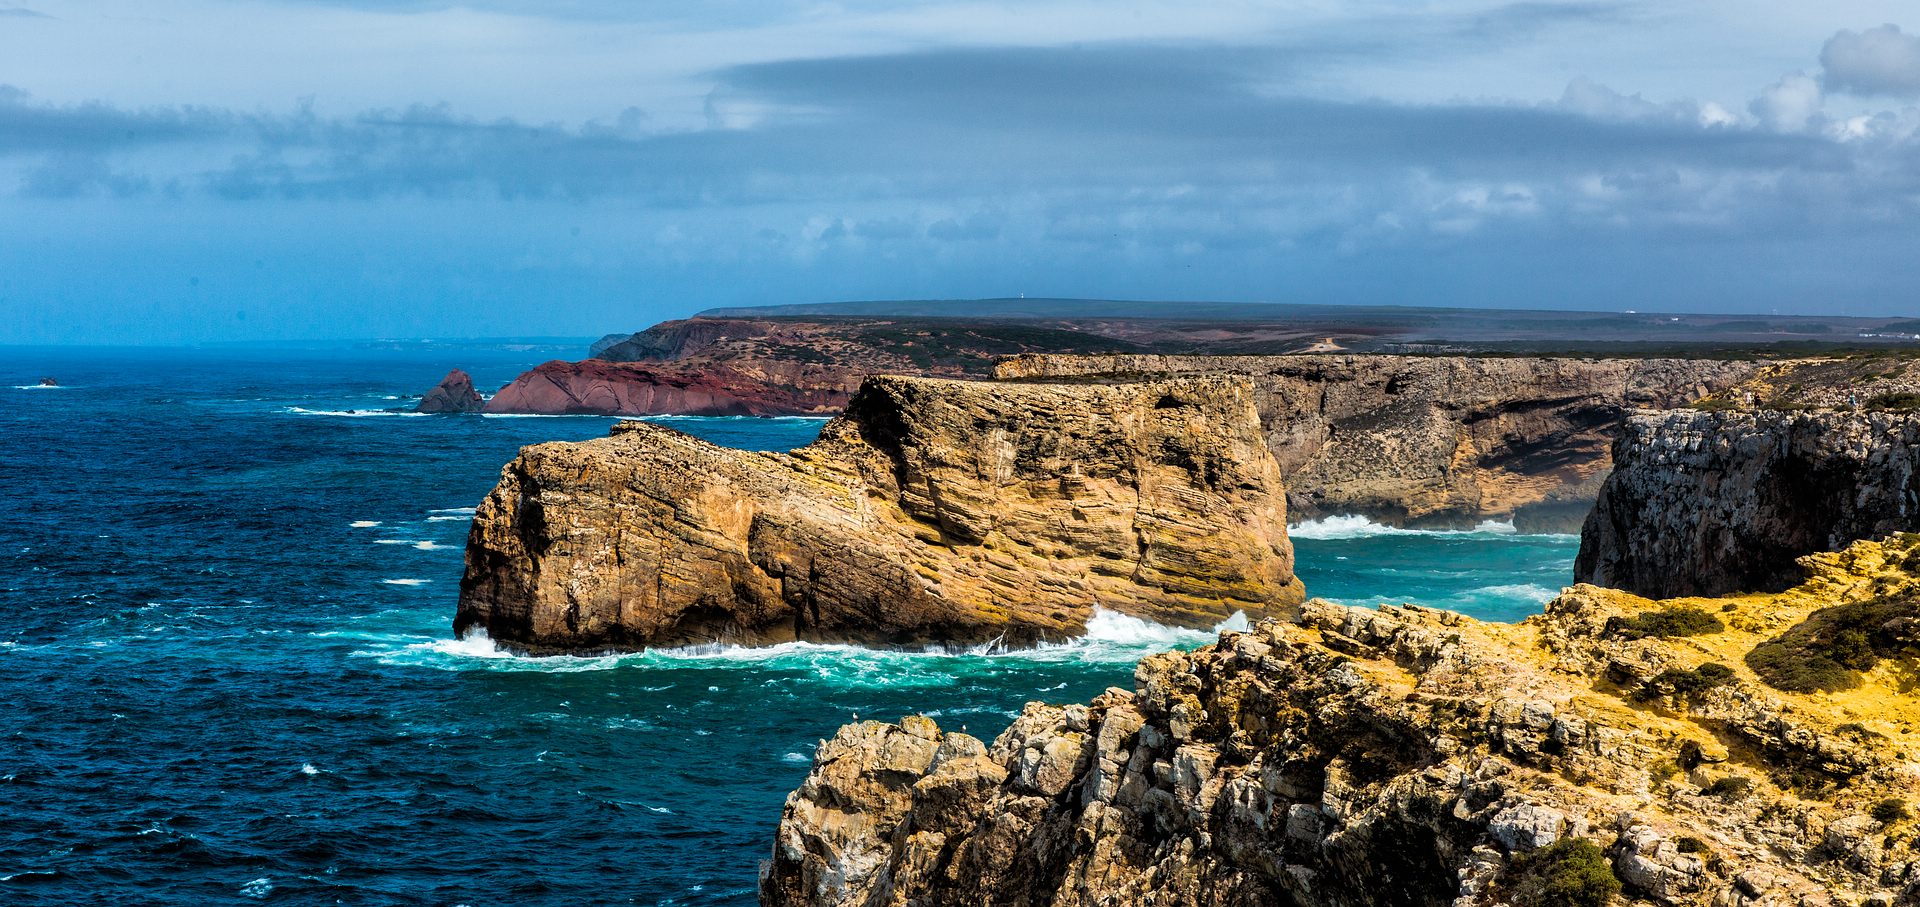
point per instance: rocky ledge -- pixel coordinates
(1428, 440)
(1714, 502)
(1692, 752)
(930, 511)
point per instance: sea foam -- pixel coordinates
(352, 413)
(1359, 527)
(1111, 638)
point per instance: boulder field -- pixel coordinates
(930, 511)
(1613, 749)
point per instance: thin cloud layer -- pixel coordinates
(1229, 168)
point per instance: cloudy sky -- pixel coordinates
(189, 170)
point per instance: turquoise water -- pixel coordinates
(226, 584)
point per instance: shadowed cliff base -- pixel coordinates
(932, 511)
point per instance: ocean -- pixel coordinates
(227, 578)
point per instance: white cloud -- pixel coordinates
(1876, 61)
(1790, 105)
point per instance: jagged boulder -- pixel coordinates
(454, 394)
(930, 511)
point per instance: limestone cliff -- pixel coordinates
(1712, 502)
(1429, 440)
(1403, 756)
(930, 511)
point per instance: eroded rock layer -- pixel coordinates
(1429, 440)
(1713, 502)
(930, 511)
(1403, 756)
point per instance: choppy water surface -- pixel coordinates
(226, 580)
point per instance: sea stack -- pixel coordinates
(1707, 503)
(931, 511)
(454, 394)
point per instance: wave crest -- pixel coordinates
(1359, 527)
(1111, 638)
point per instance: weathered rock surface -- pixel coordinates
(596, 387)
(1430, 440)
(772, 367)
(1703, 503)
(931, 511)
(454, 394)
(1399, 756)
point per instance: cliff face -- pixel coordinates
(454, 394)
(594, 387)
(932, 510)
(1403, 756)
(1707, 503)
(1428, 440)
(741, 366)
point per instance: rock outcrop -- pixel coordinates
(1703, 503)
(454, 394)
(1431, 440)
(930, 511)
(595, 387)
(1403, 756)
(773, 367)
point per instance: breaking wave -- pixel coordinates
(1111, 638)
(1359, 527)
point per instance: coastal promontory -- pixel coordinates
(1434, 440)
(930, 511)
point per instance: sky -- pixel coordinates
(185, 171)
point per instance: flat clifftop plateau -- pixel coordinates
(1713, 502)
(1613, 749)
(930, 511)
(1434, 440)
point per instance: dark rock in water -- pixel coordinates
(1704, 503)
(931, 511)
(455, 394)
(49, 382)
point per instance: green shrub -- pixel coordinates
(1570, 872)
(1689, 686)
(1829, 650)
(1691, 844)
(1890, 810)
(1731, 787)
(1668, 622)
(1898, 401)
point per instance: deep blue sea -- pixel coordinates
(227, 674)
